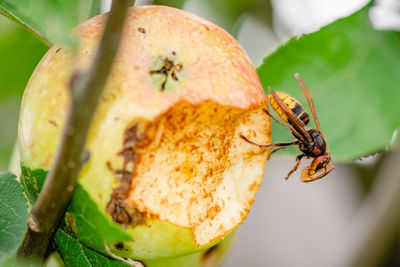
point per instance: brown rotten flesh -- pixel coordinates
(167, 164)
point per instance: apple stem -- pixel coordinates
(61, 180)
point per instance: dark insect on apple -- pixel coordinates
(311, 142)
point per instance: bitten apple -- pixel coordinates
(168, 174)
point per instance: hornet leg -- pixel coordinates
(298, 161)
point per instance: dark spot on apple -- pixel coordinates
(141, 30)
(208, 253)
(119, 245)
(116, 206)
(58, 49)
(85, 156)
(207, 28)
(173, 53)
(53, 123)
(74, 79)
(174, 77)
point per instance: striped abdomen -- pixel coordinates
(292, 104)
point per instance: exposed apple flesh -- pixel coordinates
(167, 164)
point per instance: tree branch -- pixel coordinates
(61, 180)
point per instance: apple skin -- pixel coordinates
(216, 93)
(210, 257)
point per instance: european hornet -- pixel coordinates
(311, 143)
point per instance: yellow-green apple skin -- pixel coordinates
(191, 91)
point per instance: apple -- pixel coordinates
(168, 174)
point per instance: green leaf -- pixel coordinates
(353, 73)
(83, 215)
(74, 253)
(20, 51)
(32, 181)
(93, 228)
(13, 216)
(50, 20)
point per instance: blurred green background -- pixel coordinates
(20, 51)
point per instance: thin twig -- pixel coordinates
(61, 180)
(379, 218)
